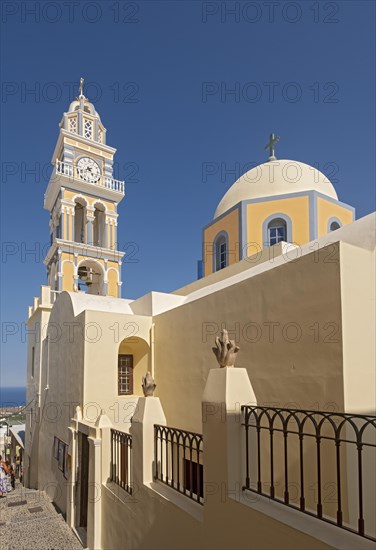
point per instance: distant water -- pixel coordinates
(12, 397)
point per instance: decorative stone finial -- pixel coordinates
(272, 141)
(148, 385)
(226, 350)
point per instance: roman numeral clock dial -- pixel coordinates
(88, 169)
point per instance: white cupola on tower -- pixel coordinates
(82, 119)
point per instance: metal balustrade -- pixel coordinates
(71, 171)
(178, 461)
(121, 459)
(321, 463)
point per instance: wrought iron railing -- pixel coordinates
(322, 463)
(121, 460)
(178, 461)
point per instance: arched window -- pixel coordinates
(91, 278)
(99, 225)
(220, 252)
(132, 363)
(334, 225)
(79, 221)
(277, 231)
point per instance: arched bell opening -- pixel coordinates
(91, 278)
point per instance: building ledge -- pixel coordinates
(325, 532)
(184, 503)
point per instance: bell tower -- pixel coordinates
(82, 198)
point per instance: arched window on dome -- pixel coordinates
(333, 225)
(220, 252)
(277, 231)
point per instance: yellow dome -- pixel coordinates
(277, 177)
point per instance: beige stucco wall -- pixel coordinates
(358, 314)
(358, 318)
(37, 329)
(149, 521)
(107, 335)
(303, 301)
(79, 367)
(62, 384)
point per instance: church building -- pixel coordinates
(141, 436)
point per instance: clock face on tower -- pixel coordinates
(88, 169)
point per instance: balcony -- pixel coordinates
(73, 173)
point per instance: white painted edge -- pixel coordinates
(325, 532)
(187, 505)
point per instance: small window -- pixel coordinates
(125, 374)
(88, 129)
(334, 226)
(32, 361)
(60, 452)
(221, 253)
(100, 135)
(277, 231)
(73, 125)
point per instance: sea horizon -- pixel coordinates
(12, 396)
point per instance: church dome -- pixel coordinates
(276, 177)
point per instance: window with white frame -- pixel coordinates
(88, 128)
(221, 253)
(125, 374)
(277, 231)
(72, 124)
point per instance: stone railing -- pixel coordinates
(71, 171)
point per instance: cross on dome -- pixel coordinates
(272, 141)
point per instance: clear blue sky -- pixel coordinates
(160, 74)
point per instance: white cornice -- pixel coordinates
(95, 252)
(57, 181)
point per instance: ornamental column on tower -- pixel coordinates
(82, 197)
